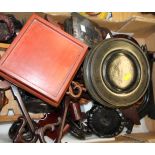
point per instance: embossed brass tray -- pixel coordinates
(116, 72)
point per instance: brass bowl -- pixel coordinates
(117, 72)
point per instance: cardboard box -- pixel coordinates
(142, 29)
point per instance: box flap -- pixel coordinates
(141, 27)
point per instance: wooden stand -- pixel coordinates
(12, 107)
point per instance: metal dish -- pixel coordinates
(117, 73)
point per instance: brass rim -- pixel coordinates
(87, 79)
